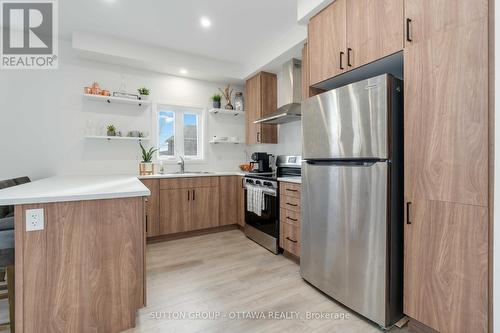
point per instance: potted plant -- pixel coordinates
(143, 93)
(146, 167)
(111, 130)
(216, 101)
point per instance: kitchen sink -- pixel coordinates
(190, 173)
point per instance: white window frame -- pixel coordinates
(179, 112)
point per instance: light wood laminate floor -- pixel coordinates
(226, 274)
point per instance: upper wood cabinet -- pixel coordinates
(327, 42)
(261, 100)
(425, 18)
(305, 72)
(352, 33)
(229, 200)
(374, 30)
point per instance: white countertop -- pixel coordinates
(73, 188)
(296, 180)
(187, 174)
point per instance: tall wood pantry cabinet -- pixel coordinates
(446, 164)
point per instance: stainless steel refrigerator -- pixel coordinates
(352, 196)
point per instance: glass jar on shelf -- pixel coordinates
(238, 101)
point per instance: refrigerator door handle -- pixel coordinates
(352, 163)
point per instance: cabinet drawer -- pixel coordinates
(290, 238)
(175, 183)
(289, 216)
(290, 203)
(290, 189)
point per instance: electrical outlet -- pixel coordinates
(34, 219)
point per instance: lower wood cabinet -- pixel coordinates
(241, 202)
(229, 200)
(290, 238)
(152, 207)
(446, 266)
(193, 203)
(188, 204)
(290, 217)
(175, 211)
(204, 208)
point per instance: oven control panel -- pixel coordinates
(261, 182)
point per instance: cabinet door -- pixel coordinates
(175, 207)
(261, 100)
(228, 202)
(374, 30)
(428, 17)
(269, 104)
(205, 208)
(446, 116)
(327, 42)
(446, 266)
(153, 207)
(252, 92)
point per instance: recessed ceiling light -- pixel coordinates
(205, 22)
(183, 71)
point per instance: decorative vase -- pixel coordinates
(146, 168)
(111, 133)
(238, 101)
(229, 106)
(216, 104)
(143, 97)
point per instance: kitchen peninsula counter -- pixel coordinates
(84, 269)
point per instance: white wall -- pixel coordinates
(43, 119)
(308, 8)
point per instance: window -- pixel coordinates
(179, 133)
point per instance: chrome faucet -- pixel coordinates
(181, 163)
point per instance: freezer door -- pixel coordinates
(348, 122)
(343, 234)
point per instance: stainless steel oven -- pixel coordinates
(263, 229)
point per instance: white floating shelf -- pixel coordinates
(226, 112)
(118, 138)
(119, 100)
(225, 142)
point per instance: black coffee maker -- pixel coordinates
(262, 159)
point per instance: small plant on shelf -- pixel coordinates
(146, 167)
(111, 130)
(216, 100)
(143, 93)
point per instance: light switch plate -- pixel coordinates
(34, 219)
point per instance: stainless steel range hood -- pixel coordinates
(291, 94)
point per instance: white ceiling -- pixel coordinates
(248, 33)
